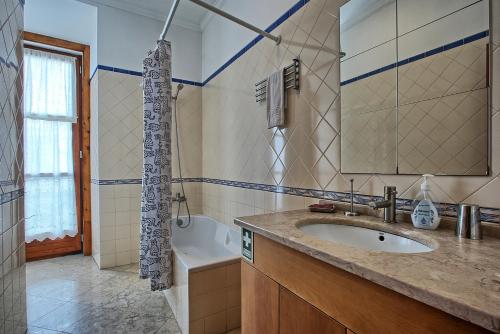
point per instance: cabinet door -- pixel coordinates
(298, 317)
(259, 302)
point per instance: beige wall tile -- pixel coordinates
(216, 323)
(233, 318)
(207, 304)
(312, 152)
(205, 281)
(233, 274)
(233, 296)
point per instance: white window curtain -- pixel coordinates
(49, 113)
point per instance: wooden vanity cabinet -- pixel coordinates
(268, 308)
(259, 302)
(288, 292)
(298, 317)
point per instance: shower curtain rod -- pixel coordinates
(222, 13)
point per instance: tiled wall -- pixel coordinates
(306, 154)
(230, 139)
(116, 149)
(12, 247)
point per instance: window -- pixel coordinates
(50, 110)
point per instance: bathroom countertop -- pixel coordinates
(460, 277)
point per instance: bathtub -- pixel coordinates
(206, 295)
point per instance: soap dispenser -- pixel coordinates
(425, 214)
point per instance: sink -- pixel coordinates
(364, 238)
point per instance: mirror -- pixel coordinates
(414, 86)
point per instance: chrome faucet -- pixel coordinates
(389, 204)
(179, 198)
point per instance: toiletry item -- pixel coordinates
(469, 222)
(476, 231)
(324, 208)
(425, 214)
(462, 230)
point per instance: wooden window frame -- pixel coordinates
(84, 85)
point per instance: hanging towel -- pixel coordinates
(275, 99)
(155, 258)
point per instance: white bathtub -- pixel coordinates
(205, 242)
(206, 292)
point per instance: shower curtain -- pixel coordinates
(156, 205)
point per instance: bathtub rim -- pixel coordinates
(217, 262)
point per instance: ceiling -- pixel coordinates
(188, 15)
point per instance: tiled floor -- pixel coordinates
(71, 295)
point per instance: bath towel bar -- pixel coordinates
(292, 80)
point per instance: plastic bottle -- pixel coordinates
(425, 214)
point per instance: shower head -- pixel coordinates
(179, 88)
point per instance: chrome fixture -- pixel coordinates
(179, 198)
(291, 75)
(469, 222)
(170, 17)
(179, 88)
(351, 212)
(217, 11)
(389, 204)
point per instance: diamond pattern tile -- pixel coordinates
(119, 133)
(117, 153)
(13, 296)
(316, 159)
(454, 71)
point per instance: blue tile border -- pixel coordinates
(491, 215)
(422, 55)
(139, 74)
(247, 47)
(187, 82)
(11, 196)
(111, 182)
(6, 183)
(270, 28)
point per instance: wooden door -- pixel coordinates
(47, 248)
(298, 317)
(259, 302)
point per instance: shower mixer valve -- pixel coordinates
(179, 198)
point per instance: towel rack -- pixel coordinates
(291, 75)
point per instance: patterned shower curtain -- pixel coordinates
(156, 206)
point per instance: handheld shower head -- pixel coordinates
(179, 88)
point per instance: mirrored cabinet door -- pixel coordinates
(368, 87)
(414, 86)
(442, 87)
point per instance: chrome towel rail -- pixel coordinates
(291, 75)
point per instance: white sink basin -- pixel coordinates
(364, 238)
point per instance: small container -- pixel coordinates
(469, 222)
(425, 214)
(476, 230)
(324, 208)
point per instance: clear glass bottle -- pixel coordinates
(425, 214)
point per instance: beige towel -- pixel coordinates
(275, 99)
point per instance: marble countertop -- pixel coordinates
(460, 277)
